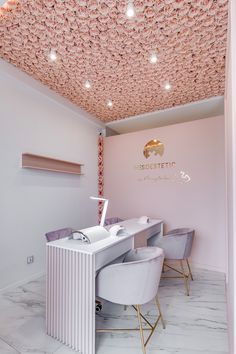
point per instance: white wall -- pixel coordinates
(33, 202)
(230, 129)
(198, 150)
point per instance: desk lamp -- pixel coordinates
(104, 210)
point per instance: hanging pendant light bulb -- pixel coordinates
(130, 10)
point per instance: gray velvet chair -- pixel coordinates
(177, 245)
(133, 282)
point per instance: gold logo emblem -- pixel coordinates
(153, 146)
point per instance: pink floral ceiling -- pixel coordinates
(95, 41)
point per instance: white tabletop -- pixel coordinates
(132, 227)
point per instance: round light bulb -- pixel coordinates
(87, 84)
(53, 55)
(130, 10)
(153, 58)
(167, 86)
(109, 103)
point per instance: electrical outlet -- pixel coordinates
(30, 259)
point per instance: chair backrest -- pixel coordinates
(182, 230)
(135, 281)
(58, 234)
(113, 220)
(187, 236)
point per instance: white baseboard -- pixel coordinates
(207, 267)
(22, 282)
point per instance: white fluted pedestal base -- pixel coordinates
(70, 311)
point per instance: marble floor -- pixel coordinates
(194, 324)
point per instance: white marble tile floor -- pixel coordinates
(194, 324)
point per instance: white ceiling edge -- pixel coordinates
(2, 2)
(207, 108)
(10, 70)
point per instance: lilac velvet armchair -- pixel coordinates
(113, 220)
(58, 234)
(177, 246)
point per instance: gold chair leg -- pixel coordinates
(152, 331)
(160, 313)
(141, 329)
(144, 318)
(189, 269)
(174, 269)
(160, 317)
(185, 278)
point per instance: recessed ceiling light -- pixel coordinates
(53, 55)
(130, 10)
(167, 86)
(153, 58)
(87, 84)
(109, 103)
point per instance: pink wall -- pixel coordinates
(230, 133)
(197, 148)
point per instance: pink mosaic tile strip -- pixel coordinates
(100, 174)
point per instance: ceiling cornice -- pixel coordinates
(207, 108)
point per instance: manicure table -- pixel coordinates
(71, 271)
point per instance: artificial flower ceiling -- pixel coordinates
(95, 41)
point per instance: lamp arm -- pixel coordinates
(104, 211)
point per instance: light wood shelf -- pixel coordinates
(39, 162)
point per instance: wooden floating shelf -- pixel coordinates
(39, 162)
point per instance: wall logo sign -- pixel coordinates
(153, 147)
(156, 170)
